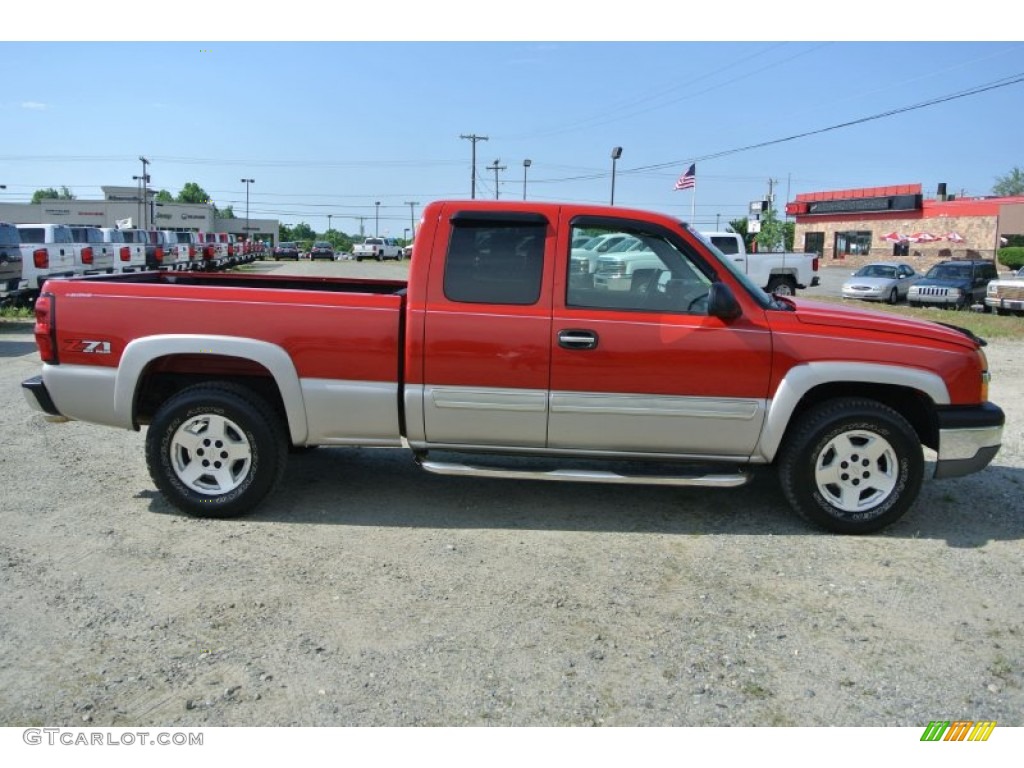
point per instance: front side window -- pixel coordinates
(495, 262)
(644, 271)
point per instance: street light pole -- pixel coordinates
(376, 219)
(412, 216)
(247, 182)
(616, 154)
(526, 164)
(328, 223)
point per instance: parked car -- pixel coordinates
(957, 284)
(882, 281)
(10, 261)
(138, 239)
(321, 250)
(378, 248)
(1006, 295)
(95, 256)
(128, 257)
(286, 251)
(47, 250)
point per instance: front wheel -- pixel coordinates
(894, 296)
(216, 450)
(851, 466)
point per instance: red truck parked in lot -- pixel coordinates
(493, 351)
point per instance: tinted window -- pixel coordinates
(727, 245)
(9, 236)
(32, 234)
(495, 262)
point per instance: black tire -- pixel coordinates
(821, 450)
(894, 296)
(782, 285)
(244, 448)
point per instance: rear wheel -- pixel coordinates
(216, 450)
(851, 466)
(782, 285)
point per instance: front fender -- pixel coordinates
(802, 379)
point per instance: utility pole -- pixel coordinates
(473, 138)
(145, 190)
(496, 168)
(412, 217)
(771, 195)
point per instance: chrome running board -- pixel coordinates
(730, 480)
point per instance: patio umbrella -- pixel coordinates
(894, 237)
(955, 237)
(924, 237)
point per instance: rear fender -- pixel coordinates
(141, 352)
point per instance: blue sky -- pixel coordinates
(333, 127)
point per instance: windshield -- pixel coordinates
(876, 270)
(949, 272)
(321, 245)
(762, 298)
(9, 236)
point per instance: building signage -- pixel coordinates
(865, 205)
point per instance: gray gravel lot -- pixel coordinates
(369, 593)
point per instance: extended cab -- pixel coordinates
(12, 284)
(94, 256)
(491, 349)
(378, 248)
(780, 273)
(129, 256)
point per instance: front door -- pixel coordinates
(637, 364)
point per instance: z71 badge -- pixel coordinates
(92, 347)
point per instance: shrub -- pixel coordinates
(1011, 258)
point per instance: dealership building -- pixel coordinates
(854, 226)
(125, 207)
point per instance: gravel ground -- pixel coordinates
(369, 593)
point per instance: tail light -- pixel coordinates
(46, 328)
(814, 264)
(191, 252)
(231, 250)
(41, 258)
(126, 253)
(208, 252)
(87, 255)
(159, 253)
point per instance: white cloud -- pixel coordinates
(36, 105)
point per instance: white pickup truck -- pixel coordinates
(378, 248)
(780, 273)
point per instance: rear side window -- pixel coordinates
(32, 234)
(495, 262)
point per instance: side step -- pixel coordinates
(730, 480)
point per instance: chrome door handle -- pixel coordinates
(577, 339)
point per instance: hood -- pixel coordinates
(839, 316)
(959, 282)
(873, 282)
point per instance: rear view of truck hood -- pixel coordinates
(839, 316)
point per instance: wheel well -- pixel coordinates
(915, 406)
(166, 376)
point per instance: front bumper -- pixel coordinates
(969, 438)
(996, 303)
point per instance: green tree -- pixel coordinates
(227, 213)
(163, 196)
(1009, 185)
(284, 233)
(772, 234)
(302, 231)
(52, 194)
(193, 193)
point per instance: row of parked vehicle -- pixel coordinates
(30, 254)
(954, 284)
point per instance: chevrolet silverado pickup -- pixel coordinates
(490, 361)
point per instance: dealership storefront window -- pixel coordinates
(852, 243)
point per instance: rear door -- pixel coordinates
(487, 327)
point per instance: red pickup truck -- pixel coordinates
(495, 350)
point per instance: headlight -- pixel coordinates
(992, 290)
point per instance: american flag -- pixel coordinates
(689, 179)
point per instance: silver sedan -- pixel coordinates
(882, 281)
